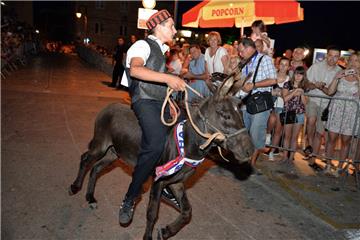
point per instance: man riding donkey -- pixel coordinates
(145, 67)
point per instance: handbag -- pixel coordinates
(288, 117)
(260, 101)
(325, 113)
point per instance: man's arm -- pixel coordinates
(138, 70)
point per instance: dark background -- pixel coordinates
(325, 23)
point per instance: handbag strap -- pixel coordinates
(256, 71)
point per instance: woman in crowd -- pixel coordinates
(342, 120)
(274, 119)
(216, 56)
(197, 74)
(293, 95)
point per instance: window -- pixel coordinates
(99, 4)
(123, 30)
(99, 28)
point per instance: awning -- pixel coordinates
(225, 13)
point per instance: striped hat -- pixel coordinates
(157, 18)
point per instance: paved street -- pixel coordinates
(48, 109)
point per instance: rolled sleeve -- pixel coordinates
(139, 49)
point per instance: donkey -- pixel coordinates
(217, 114)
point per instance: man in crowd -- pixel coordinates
(265, 78)
(145, 64)
(320, 74)
(117, 62)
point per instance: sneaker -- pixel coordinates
(268, 139)
(126, 212)
(308, 150)
(168, 197)
(276, 152)
(271, 156)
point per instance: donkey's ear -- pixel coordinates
(239, 84)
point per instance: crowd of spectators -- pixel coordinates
(18, 41)
(288, 79)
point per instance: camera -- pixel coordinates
(350, 72)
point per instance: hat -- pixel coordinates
(157, 18)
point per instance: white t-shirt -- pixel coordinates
(214, 63)
(321, 72)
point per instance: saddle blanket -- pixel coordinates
(176, 164)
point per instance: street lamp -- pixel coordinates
(80, 14)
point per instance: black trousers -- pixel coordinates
(117, 73)
(154, 135)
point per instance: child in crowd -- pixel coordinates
(258, 28)
(174, 64)
(274, 119)
(293, 95)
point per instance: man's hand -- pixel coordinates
(175, 83)
(248, 87)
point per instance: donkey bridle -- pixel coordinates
(209, 125)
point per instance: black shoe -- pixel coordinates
(126, 212)
(168, 197)
(315, 167)
(112, 85)
(308, 150)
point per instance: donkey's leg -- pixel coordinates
(104, 162)
(153, 209)
(87, 160)
(185, 214)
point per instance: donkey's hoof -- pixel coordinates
(93, 205)
(73, 190)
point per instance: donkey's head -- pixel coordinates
(221, 113)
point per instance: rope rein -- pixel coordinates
(210, 137)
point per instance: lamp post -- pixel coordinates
(83, 14)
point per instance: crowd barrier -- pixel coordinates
(352, 162)
(94, 58)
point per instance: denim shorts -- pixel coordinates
(256, 124)
(300, 118)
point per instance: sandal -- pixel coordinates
(308, 150)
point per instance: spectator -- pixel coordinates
(259, 45)
(265, 78)
(293, 94)
(235, 47)
(297, 60)
(258, 28)
(274, 119)
(133, 39)
(117, 62)
(174, 66)
(342, 114)
(320, 74)
(145, 64)
(197, 74)
(216, 57)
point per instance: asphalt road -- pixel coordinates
(48, 109)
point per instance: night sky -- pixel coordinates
(325, 23)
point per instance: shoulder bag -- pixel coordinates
(259, 101)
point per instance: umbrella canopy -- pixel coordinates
(225, 13)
